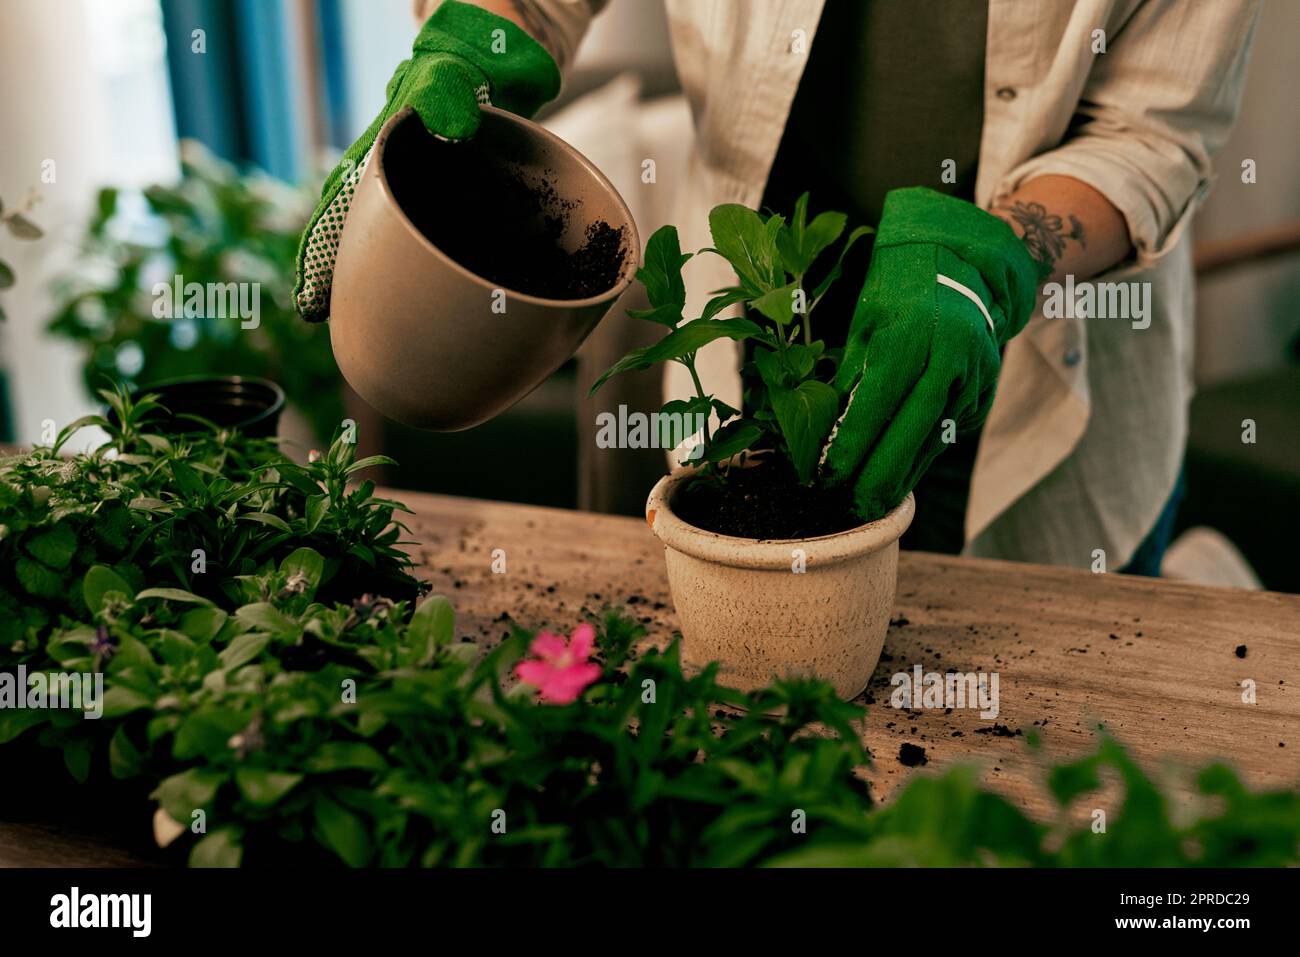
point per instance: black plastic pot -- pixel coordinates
(251, 405)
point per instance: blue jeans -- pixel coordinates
(1151, 550)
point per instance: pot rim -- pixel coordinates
(768, 554)
(278, 397)
(630, 263)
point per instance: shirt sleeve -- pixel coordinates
(558, 25)
(1154, 109)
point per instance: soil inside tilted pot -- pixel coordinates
(479, 210)
(766, 501)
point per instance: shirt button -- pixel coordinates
(1072, 356)
(1006, 93)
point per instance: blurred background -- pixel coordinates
(140, 139)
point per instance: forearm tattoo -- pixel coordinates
(1044, 233)
(541, 28)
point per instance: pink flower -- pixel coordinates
(560, 670)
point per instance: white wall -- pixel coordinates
(85, 103)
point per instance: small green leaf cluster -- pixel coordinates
(792, 406)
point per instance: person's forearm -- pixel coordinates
(1066, 225)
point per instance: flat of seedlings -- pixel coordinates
(1165, 667)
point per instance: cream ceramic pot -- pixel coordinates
(742, 603)
(424, 340)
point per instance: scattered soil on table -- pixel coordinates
(999, 731)
(486, 215)
(1241, 651)
(765, 501)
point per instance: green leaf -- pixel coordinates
(806, 414)
(723, 299)
(173, 594)
(345, 755)
(6, 275)
(265, 788)
(265, 617)
(778, 305)
(432, 626)
(732, 439)
(99, 581)
(182, 794)
(54, 547)
(243, 649)
(317, 506)
(203, 624)
(678, 419)
(206, 734)
(682, 341)
(304, 563)
(124, 758)
(221, 848)
(661, 274)
(120, 700)
(266, 518)
(76, 758)
(22, 228)
(801, 244)
(742, 238)
(342, 832)
(369, 462)
(36, 579)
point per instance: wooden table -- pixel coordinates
(1158, 663)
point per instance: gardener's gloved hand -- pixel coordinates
(948, 285)
(463, 56)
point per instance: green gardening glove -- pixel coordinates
(463, 56)
(948, 286)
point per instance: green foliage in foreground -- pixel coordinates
(361, 731)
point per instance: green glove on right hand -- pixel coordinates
(463, 56)
(948, 286)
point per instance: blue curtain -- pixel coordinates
(242, 95)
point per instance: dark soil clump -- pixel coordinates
(912, 755)
(486, 214)
(765, 501)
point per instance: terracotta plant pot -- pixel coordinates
(420, 337)
(741, 603)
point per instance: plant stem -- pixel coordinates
(699, 390)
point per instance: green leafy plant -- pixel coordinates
(210, 512)
(791, 404)
(18, 225)
(311, 723)
(215, 225)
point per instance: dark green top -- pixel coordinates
(892, 89)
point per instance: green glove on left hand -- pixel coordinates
(463, 55)
(948, 285)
